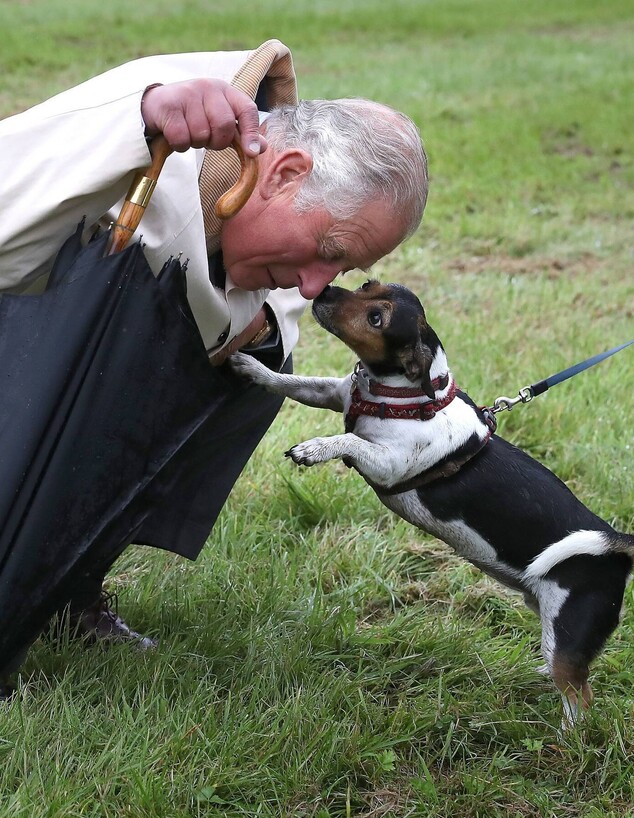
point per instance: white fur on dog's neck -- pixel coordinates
(408, 448)
(385, 451)
(439, 367)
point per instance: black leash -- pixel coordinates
(527, 393)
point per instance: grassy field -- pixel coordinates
(323, 658)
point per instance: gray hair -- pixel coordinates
(361, 150)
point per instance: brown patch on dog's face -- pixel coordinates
(384, 324)
(358, 317)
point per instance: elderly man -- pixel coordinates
(340, 185)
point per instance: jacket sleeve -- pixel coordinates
(58, 166)
(74, 155)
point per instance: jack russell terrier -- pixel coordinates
(431, 456)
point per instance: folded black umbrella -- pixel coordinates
(103, 379)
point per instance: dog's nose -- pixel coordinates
(323, 295)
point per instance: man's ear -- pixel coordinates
(284, 172)
(416, 362)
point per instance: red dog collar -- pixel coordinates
(394, 411)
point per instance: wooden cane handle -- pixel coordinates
(236, 197)
(138, 196)
(144, 182)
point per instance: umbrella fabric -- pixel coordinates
(103, 379)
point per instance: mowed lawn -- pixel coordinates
(323, 658)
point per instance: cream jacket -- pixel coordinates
(75, 155)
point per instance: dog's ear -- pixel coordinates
(416, 362)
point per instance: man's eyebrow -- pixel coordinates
(331, 249)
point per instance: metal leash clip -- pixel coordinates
(354, 378)
(525, 395)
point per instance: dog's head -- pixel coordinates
(385, 325)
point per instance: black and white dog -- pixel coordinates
(429, 453)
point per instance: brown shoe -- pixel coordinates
(99, 623)
(7, 687)
(7, 691)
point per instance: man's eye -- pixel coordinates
(375, 319)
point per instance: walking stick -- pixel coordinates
(144, 182)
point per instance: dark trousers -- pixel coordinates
(177, 512)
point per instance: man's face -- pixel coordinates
(269, 244)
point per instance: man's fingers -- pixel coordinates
(176, 131)
(246, 114)
(198, 125)
(202, 113)
(222, 121)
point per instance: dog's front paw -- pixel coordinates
(245, 366)
(315, 450)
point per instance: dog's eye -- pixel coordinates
(375, 318)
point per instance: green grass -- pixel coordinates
(323, 658)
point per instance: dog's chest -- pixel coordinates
(419, 445)
(466, 541)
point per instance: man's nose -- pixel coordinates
(314, 277)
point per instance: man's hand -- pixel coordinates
(202, 113)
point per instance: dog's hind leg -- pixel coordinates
(580, 628)
(568, 667)
(565, 669)
(571, 678)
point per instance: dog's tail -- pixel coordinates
(593, 543)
